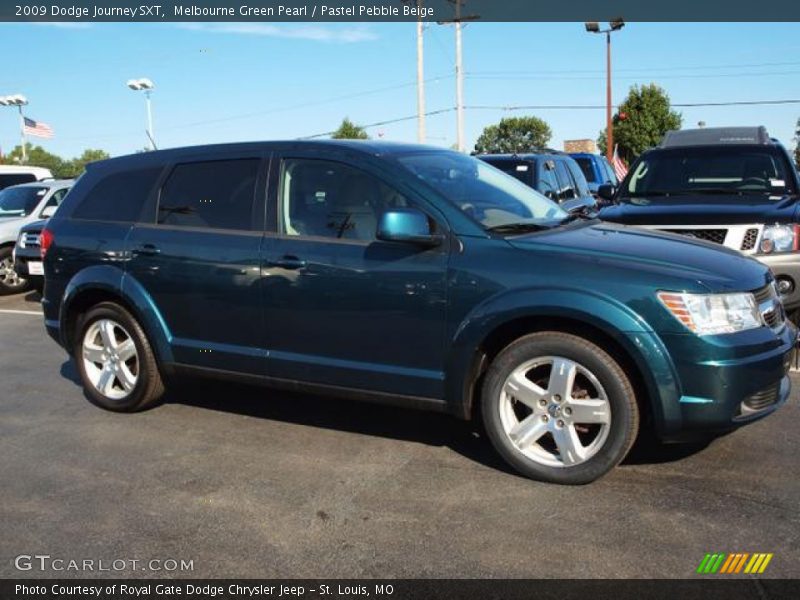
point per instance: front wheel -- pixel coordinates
(115, 361)
(558, 408)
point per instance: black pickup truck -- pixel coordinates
(733, 186)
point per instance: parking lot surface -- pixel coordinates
(251, 482)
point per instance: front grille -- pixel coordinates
(770, 306)
(762, 399)
(710, 235)
(30, 239)
(750, 238)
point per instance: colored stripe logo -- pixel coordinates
(734, 563)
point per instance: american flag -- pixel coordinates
(619, 166)
(37, 128)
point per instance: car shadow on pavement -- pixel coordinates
(465, 438)
(32, 297)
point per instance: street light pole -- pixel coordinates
(594, 27)
(458, 21)
(146, 86)
(19, 101)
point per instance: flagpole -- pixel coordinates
(22, 135)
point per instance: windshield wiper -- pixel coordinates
(517, 227)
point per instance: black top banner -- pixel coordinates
(398, 10)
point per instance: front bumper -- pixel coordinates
(786, 267)
(729, 381)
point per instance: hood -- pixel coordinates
(652, 254)
(702, 210)
(9, 227)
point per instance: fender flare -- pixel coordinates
(608, 315)
(115, 281)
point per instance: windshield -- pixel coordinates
(488, 195)
(20, 201)
(732, 170)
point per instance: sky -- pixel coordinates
(265, 81)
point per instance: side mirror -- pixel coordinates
(407, 225)
(607, 191)
(48, 211)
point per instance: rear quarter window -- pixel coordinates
(119, 196)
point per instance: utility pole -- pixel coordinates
(459, 23)
(420, 78)
(594, 27)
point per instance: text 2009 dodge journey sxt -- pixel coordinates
(410, 275)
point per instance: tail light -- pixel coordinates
(45, 241)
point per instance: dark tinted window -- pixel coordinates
(578, 178)
(20, 201)
(567, 187)
(329, 199)
(587, 168)
(217, 194)
(118, 197)
(520, 170)
(15, 178)
(548, 184)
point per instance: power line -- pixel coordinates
(642, 69)
(379, 123)
(603, 106)
(539, 77)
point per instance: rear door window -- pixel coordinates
(548, 183)
(211, 194)
(578, 178)
(118, 197)
(567, 189)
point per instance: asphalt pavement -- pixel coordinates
(250, 482)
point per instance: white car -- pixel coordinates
(20, 205)
(14, 175)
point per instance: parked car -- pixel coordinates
(410, 275)
(14, 175)
(596, 169)
(733, 186)
(27, 255)
(551, 173)
(20, 205)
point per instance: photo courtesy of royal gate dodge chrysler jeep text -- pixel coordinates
(412, 275)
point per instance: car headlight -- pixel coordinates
(779, 238)
(713, 314)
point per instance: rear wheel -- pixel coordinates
(558, 408)
(10, 281)
(115, 361)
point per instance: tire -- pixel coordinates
(121, 375)
(10, 282)
(552, 430)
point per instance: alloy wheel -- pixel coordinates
(8, 276)
(110, 359)
(555, 411)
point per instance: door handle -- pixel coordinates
(287, 262)
(147, 250)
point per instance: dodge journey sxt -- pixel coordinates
(410, 275)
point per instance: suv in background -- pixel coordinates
(27, 255)
(733, 186)
(409, 275)
(20, 205)
(14, 175)
(596, 169)
(552, 173)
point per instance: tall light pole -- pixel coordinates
(458, 20)
(19, 101)
(594, 27)
(420, 78)
(146, 86)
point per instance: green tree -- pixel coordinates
(514, 134)
(641, 121)
(349, 131)
(60, 168)
(76, 166)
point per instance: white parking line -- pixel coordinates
(21, 312)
